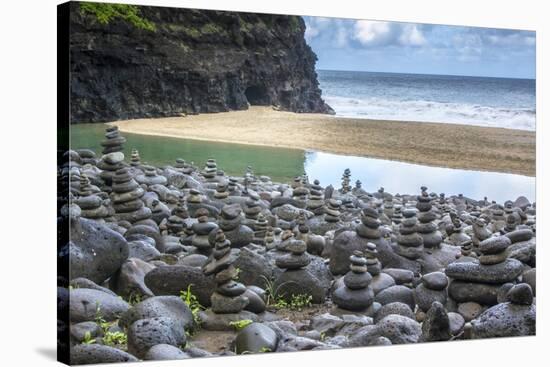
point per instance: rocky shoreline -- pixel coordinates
(179, 262)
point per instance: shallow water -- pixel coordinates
(284, 164)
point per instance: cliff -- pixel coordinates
(194, 61)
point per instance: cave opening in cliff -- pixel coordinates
(257, 95)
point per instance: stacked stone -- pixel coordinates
(150, 177)
(433, 288)
(300, 194)
(175, 225)
(480, 232)
(369, 226)
(332, 211)
(91, 205)
(498, 220)
(355, 294)
(397, 216)
(467, 249)
(231, 223)
(388, 206)
(260, 229)
(201, 231)
(380, 280)
(135, 160)
(210, 170)
(113, 140)
(126, 198)
(252, 210)
(295, 279)
(511, 224)
(410, 243)
(346, 187)
(316, 202)
(426, 216)
(183, 167)
(269, 238)
(480, 281)
(455, 231)
(109, 164)
(228, 297)
(233, 187)
(221, 190)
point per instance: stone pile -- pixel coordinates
(480, 281)
(150, 177)
(91, 205)
(114, 142)
(426, 217)
(231, 223)
(410, 243)
(201, 231)
(210, 170)
(346, 176)
(126, 198)
(228, 296)
(355, 294)
(332, 211)
(135, 160)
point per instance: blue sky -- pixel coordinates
(364, 45)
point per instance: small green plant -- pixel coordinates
(105, 13)
(323, 336)
(103, 324)
(265, 350)
(116, 338)
(274, 299)
(191, 300)
(240, 324)
(134, 298)
(299, 301)
(88, 338)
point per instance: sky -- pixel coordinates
(365, 45)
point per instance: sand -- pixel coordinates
(434, 144)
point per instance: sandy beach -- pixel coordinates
(435, 144)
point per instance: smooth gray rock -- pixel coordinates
(424, 297)
(456, 323)
(160, 306)
(88, 284)
(485, 294)
(399, 329)
(87, 304)
(401, 276)
(435, 281)
(396, 293)
(530, 277)
(171, 280)
(130, 279)
(254, 268)
(295, 282)
(165, 352)
(79, 330)
(256, 338)
(326, 323)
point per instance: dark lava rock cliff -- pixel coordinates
(195, 61)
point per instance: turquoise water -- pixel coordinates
(285, 164)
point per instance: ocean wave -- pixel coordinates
(431, 111)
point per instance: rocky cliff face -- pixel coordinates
(195, 61)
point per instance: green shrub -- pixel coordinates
(88, 338)
(104, 13)
(116, 338)
(193, 303)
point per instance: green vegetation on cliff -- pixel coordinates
(104, 13)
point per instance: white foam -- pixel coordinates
(430, 111)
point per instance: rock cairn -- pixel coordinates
(114, 142)
(183, 167)
(410, 243)
(150, 177)
(355, 294)
(346, 177)
(480, 281)
(426, 217)
(432, 288)
(332, 211)
(210, 170)
(201, 230)
(221, 191)
(91, 205)
(316, 202)
(126, 198)
(109, 164)
(135, 160)
(231, 223)
(228, 296)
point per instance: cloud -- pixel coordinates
(374, 33)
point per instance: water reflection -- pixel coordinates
(284, 164)
(406, 178)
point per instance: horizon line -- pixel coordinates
(394, 72)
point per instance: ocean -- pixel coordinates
(481, 101)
